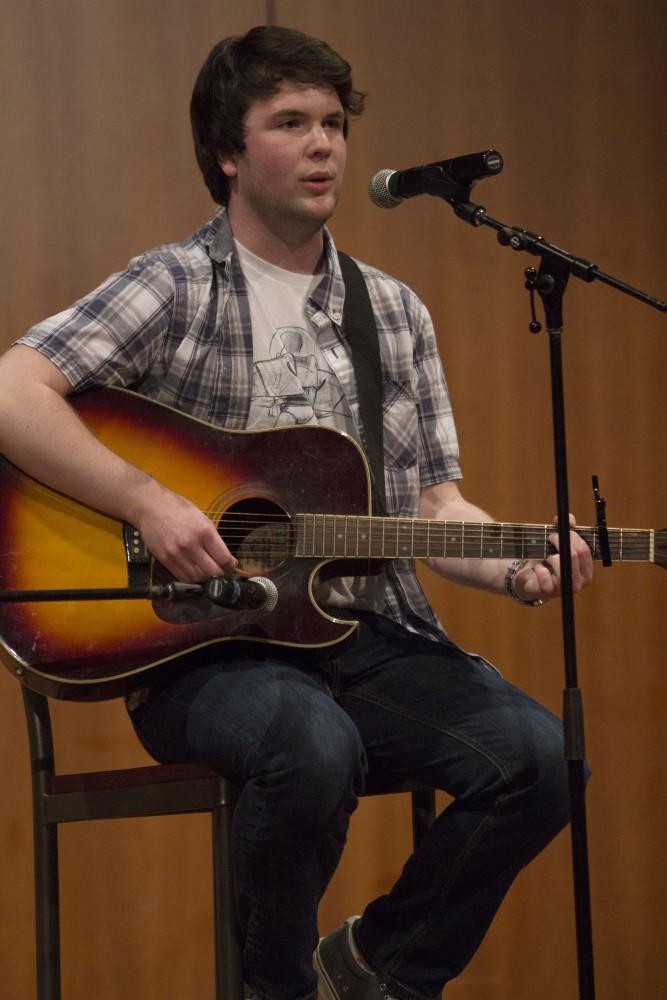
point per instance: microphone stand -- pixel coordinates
(551, 282)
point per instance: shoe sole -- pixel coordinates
(325, 986)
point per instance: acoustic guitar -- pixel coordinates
(288, 502)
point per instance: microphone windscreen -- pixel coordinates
(379, 192)
(270, 592)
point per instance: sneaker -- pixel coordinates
(341, 974)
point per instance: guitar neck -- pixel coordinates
(339, 536)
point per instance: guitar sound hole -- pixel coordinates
(258, 533)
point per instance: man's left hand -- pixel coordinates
(540, 580)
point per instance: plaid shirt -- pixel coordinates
(175, 326)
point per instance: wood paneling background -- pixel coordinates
(96, 165)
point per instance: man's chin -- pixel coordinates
(320, 206)
(308, 219)
(304, 218)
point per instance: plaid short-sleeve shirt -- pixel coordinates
(175, 326)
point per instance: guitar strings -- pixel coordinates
(469, 536)
(492, 529)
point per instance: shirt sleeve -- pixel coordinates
(113, 335)
(438, 440)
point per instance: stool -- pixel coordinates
(159, 789)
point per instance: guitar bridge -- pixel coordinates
(138, 558)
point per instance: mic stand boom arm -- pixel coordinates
(555, 269)
(524, 240)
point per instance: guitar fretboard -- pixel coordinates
(339, 536)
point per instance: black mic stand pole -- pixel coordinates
(551, 282)
(551, 288)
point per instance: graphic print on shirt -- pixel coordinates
(291, 386)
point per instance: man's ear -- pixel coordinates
(227, 164)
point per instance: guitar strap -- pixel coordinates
(361, 331)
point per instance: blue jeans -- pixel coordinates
(304, 733)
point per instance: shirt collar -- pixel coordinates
(218, 238)
(328, 295)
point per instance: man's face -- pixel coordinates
(288, 177)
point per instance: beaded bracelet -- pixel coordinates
(512, 571)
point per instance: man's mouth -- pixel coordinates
(318, 181)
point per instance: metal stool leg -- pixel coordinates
(47, 919)
(228, 969)
(47, 922)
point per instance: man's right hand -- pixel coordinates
(179, 535)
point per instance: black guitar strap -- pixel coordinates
(361, 332)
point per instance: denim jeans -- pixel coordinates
(304, 733)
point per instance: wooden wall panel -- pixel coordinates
(97, 165)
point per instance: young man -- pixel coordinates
(241, 325)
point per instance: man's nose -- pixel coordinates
(320, 144)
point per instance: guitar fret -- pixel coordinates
(449, 538)
(365, 538)
(302, 535)
(406, 550)
(377, 537)
(339, 536)
(313, 542)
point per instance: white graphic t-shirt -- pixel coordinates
(292, 381)
(293, 384)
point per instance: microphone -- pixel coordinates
(238, 592)
(388, 188)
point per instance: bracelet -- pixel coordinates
(512, 571)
